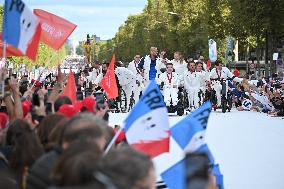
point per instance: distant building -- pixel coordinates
(97, 38)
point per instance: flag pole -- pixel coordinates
(4, 63)
(113, 140)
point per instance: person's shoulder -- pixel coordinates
(225, 68)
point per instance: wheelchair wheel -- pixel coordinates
(131, 101)
(224, 104)
(230, 100)
(122, 101)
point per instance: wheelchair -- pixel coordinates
(181, 104)
(226, 97)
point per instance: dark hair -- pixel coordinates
(198, 62)
(108, 133)
(26, 150)
(77, 164)
(217, 62)
(125, 166)
(90, 132)
(169, 64)
(46, 126)
(55, 135)
(106, 63)
(60, 101)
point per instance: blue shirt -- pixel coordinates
(152, 71)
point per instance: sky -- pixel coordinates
(100, 17)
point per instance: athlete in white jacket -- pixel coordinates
(150, 64)
(179, 64)
(192, 84)
(95, 73)
(127, 81)
(170, 82)
(204, 79)
(218, 74)
(139, 84)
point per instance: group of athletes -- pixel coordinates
(191, 76)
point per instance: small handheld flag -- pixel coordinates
(147, 126)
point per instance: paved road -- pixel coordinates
(249, 147)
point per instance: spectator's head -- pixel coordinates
(88, 104)
(128, 168)
(68, 110)
(60, 101)
(55, 135)
(26, 146)
(46, 126)
(84, 126)
(77, 164)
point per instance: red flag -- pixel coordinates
(10, 50)
(70, 88)
(208, 65)
(108, 83)
(55, 30)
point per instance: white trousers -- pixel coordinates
(128, 89)
(170, 94)
(193, 99)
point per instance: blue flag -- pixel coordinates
(147, 126)
(189, 134)
(219, 177)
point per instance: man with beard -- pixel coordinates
(102, 74)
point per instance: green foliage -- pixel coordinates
(46, 57)
(186, 25)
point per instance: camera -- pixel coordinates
(100, 100)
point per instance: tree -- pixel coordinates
(46, 57)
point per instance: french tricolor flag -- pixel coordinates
(21, 28)
(147, 126)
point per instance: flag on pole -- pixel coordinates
(70, 89)
(21, 28)
(189, 134)
(219, 177)
(55, 30)
(147, 126)
(10, 50)
(212, 50)
(108, 83)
